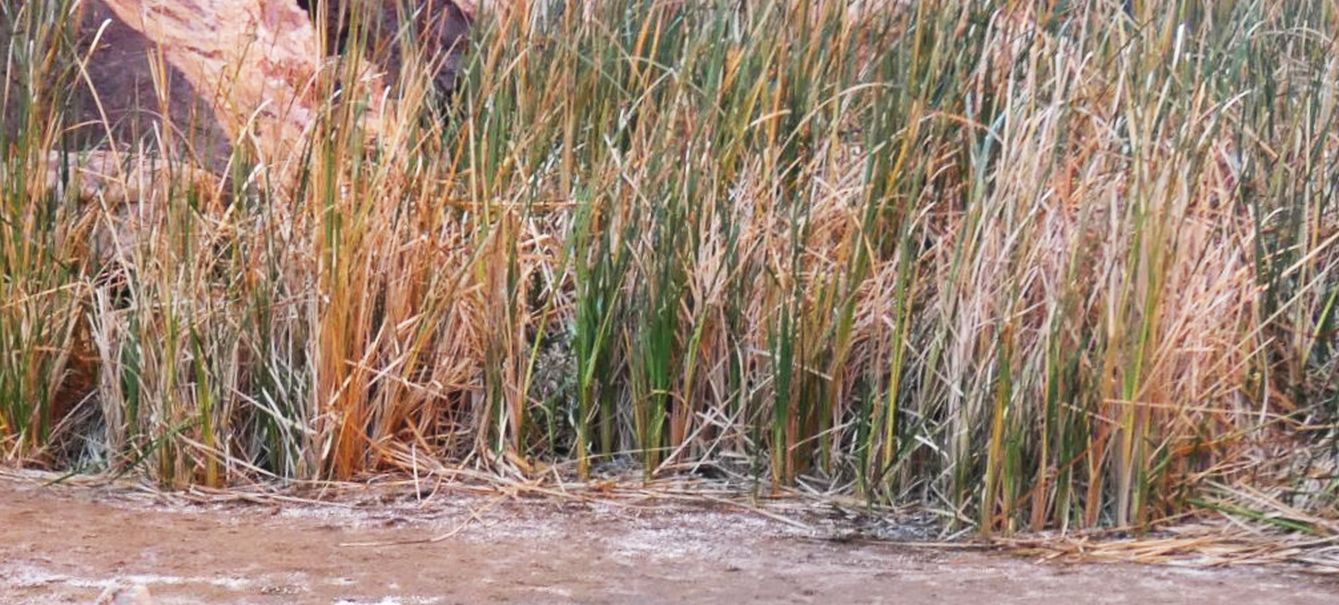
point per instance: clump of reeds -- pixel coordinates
(1031, 264)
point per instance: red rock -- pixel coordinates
(232, 70)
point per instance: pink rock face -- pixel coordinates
(222, 71)
(115, 97)
(119, 99)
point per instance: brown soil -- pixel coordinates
(62, 545)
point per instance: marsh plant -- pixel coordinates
(1029, 264)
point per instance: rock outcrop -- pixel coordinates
(197, 76)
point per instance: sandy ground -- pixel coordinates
(63, 545)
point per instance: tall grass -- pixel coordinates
(1030, 264)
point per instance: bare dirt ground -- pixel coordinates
(66, 545)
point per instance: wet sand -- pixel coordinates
(67, 545)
